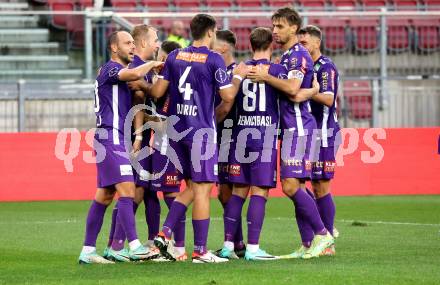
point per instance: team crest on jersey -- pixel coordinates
(221, 76)
(329, 166)
(112, 72)
(294, 61)
(235, 169)
(317, 66)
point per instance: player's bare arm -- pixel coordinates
(158, 89)
(305, 94)
(132, 74)
(290, 86)
(138, 121)
(228, 94)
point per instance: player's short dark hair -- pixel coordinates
(227, 36)
(291, 15)
(200, 25)
(169, 46)
(112, 39)
(260, 38)
(314, 31)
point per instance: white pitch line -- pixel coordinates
(74, 221)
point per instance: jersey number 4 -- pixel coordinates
(185, 87)
(250, 96)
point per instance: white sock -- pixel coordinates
(88, 249)
(180, 250)
(229, 245)
(134, 244)
(253, 247)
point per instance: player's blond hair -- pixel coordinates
(141, 32)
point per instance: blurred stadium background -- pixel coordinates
(388, 53)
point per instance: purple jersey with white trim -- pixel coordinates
(299, 65)
(232, 115)
(326, 117)
(113, 101)
(257, 103)
(195, 74)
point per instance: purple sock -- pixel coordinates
(307, 208)
(126, 217)
(179, 228)
(174, 215)
(327, 210)
(119, 236)
(201, 228)
(112, 228)
(152, 213)
(255, 217)
(232, 216)
(94, 223)
(305, 230)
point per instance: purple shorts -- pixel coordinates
(115, 167)
(165, 176)
(199, 160)
(324, 167)
(257, 173)
(296, 160)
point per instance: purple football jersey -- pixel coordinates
(299, 64)
(113, 101)
(195, 74)
(257, 103)
(326, 117)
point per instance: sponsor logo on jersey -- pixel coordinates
(126, 169)
(324, 81)
(235, 169)
(192, 57)
(293, 162)
(172, 180)
(329, 166)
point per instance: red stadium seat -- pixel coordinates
(281, 3)
(187, 4)
(365, 34)
(427, 34)
(155, 4)
(312, 4)
(432, 4)
(216, 4)
(85, 3)
(124, 5)
(249, 3)
(334, 31)
(344, 4)
(398, 34)
(358, 97)
(405, 4)
(373, 5)
(75, 28)
(242, 28)
(60, 21)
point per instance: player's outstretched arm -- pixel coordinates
(305, 94)
(131, 74)
(290, 86)
(228, 94)
(158, 89)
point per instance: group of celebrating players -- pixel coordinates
(191, 95)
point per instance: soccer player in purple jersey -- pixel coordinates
(146, 42)
(297, 125)
(257, 117)
(192, 76)
(225, 45)
(165, 175)
(113, 101)
(323, 107)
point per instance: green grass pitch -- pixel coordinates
(400, 244)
